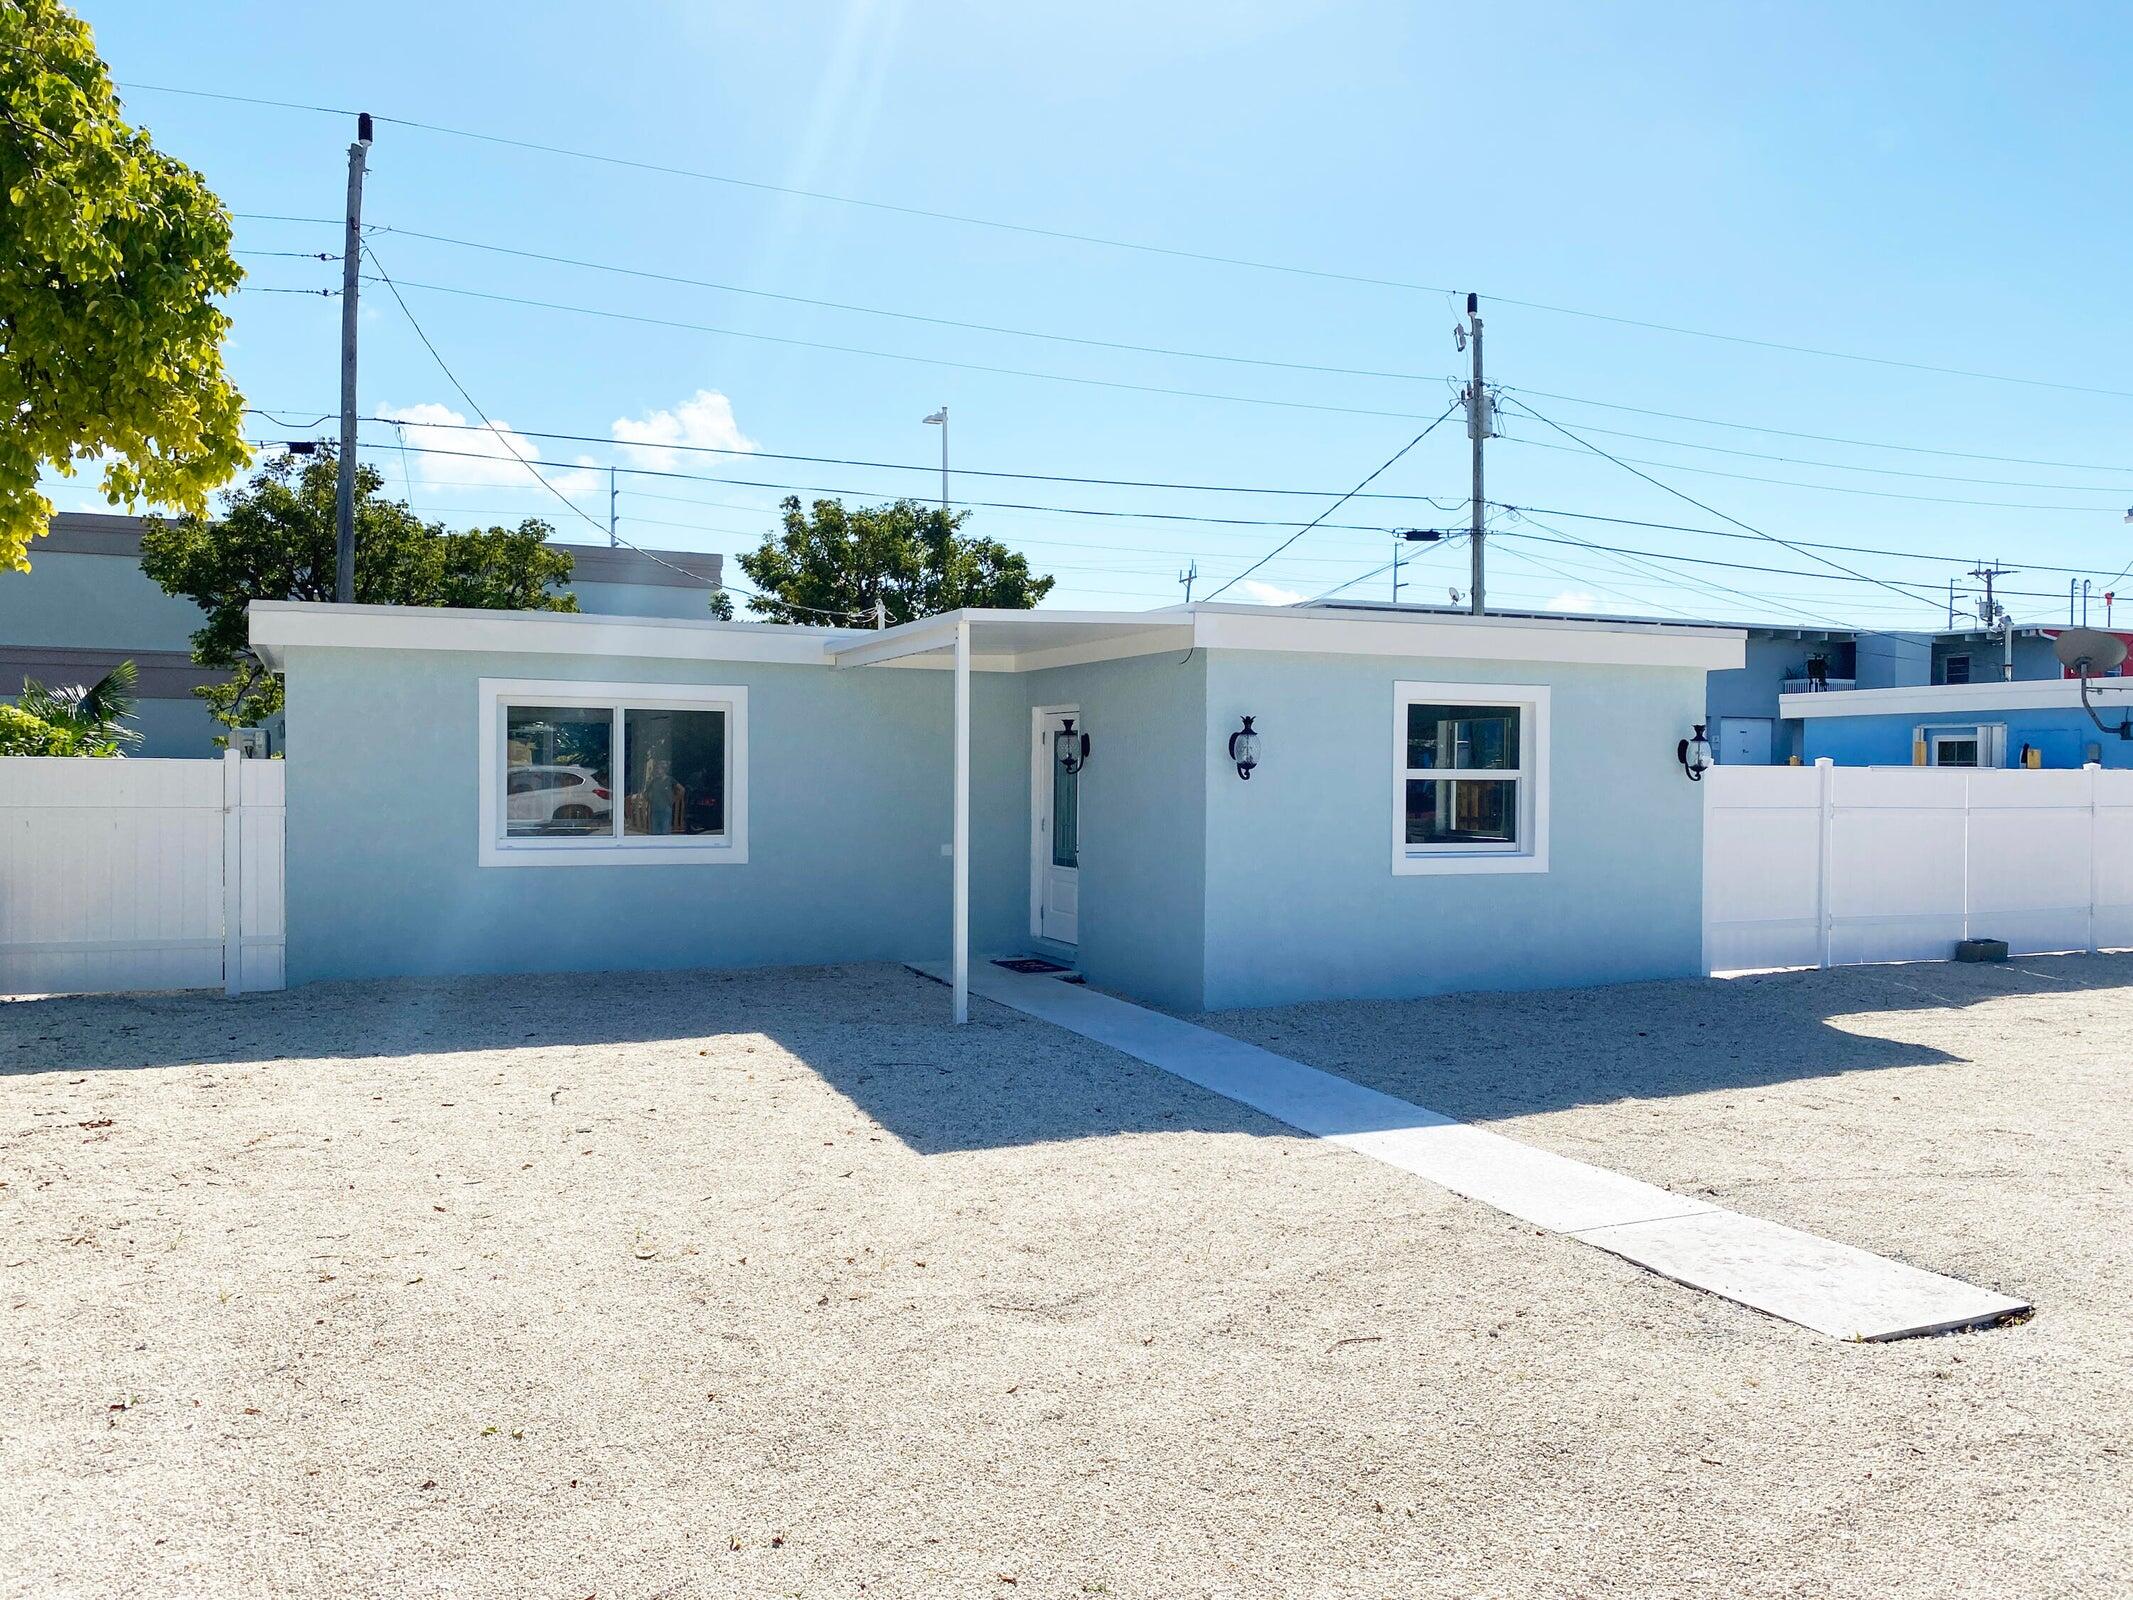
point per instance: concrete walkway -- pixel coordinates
(1832, 1288)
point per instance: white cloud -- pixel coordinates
(1570, 600)
(452, 453)
(704, 420)
(1267, 594)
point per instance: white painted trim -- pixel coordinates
(1439, 637)
(1948, 702)
(1534, 737)
(493, 849)
(1040, 842)
(279, 625)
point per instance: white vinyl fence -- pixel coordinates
(124, 874)
(1828, 866)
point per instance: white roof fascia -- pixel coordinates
(1439, 636)
(1942, 699)
(1083, 636)
(281, 625)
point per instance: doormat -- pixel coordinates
(1030, 964)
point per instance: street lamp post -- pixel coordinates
(939, 419)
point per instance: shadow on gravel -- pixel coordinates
(879, 1036)
(1483, 1056)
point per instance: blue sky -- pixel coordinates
(1917, 183)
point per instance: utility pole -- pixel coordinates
(1480, 424)
(1993, 614)
(344, 535)
(1189, 577)
(613, 538)
(939, 419)
(1397, 541)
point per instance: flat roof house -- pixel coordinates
(85, 605)
(1439, 802)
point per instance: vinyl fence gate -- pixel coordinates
(1830, 866)
(140, 874)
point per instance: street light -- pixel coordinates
(940, 419)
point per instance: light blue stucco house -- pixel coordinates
(85, 605)
(1438, 802)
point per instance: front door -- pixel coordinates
(1055, 833)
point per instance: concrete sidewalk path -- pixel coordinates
(1832, 1288)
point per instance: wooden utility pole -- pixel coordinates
(344, 538)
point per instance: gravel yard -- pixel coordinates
(774, 1284)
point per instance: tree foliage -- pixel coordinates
(831, 564)
(111, 256)
(23, 733)
(97, 716)
(275, 541)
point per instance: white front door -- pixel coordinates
(1055, 832)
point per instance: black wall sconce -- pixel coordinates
(1244, 749)
(1694, 754)
(1070, 747)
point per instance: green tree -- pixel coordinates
(95, 716)
(111, 259)
(22, 734)
(830, 563)
(275, 541)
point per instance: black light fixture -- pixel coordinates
(1694, 754)
(1244, 749)
(1071, 748)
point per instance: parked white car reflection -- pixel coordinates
(563, 801)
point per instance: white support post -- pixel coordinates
(959, 938)
(1825, 916)
(232, 871)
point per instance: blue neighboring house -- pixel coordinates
(1201, 806)
(1963, 697)
(2011, 723)
(85, 605)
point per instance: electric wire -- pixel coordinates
(790, 342)
(1343, 500)
(576, 509)
(1710, 510)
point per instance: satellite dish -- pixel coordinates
(2089, 651)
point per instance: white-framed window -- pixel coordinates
(1470, 777)
(1972, 745)
(580, 774)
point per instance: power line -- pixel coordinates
(926, 467)
(1711, 510)
(897, 355)
(965, 219)
(908, 316)
(475, 406)
(1821, 488)
(1343, 500)
(1804, 544)
(861, 494)
(1846, 466)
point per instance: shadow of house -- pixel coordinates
(878, 1036)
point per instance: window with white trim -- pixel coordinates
(1470, 774)
(577, 774)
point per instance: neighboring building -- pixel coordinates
(85, 605)
(1759, 713)
(1440, 802)
(1745, 726)
(1996, 724)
